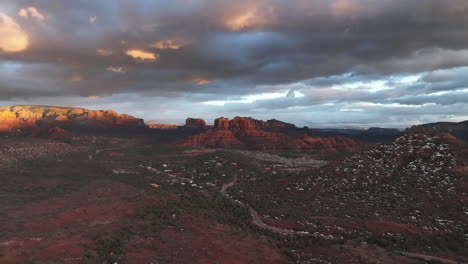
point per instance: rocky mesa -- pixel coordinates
(44, 118)
(194, 124)
(272, 135)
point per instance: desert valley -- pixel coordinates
(83, 186)
(233, 132)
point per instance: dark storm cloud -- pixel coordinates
(203, 50)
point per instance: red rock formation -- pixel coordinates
(8, 121)
(332, 143)
(194, 124)
(59, 134)
(241, 124)
(221, 123)
(276, 124)
(248, 133)
(247, 123)
(217, 138)
(24, 117)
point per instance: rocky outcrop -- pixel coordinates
(276, 124)
(248, 133)
(216, 138)
(221, 123)
(194, 124)
(331, 144)
(59, 134)
(248, 123)
(33, 118)
(459, 130)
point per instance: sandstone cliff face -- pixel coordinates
(216, 138)
(248, 133)
(24, 117)
(221, 123)
(194, 124)
(248, 123)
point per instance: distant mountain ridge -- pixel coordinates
(38, 117)
(459, 130)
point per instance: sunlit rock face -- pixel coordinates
(273, 135)
(21, 117)
(221, 123)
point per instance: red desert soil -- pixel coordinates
(201, 242)
(58, 228)
(61, 229)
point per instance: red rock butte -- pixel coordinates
(272, 135)
(194, 124)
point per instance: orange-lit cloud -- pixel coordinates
(31, 12)
(200, 81)
(344, 8)
(104, 52)
(251, 18)
(240, 21)
(116, 69)
(142, 55)
(12, 37)
(168, 45)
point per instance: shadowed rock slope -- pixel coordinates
(459, 130)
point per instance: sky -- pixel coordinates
(319, 63)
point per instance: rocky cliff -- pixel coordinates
(459, 130)
(194, 124)
(30, 117)
(248, 123)
(273, 135)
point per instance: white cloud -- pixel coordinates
(168, 44)
(31, 12)
(12, 36)
(255, 97)
(116, 69)
(104, 52)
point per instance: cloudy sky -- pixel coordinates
(321, 63)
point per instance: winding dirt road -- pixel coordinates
(257, 220)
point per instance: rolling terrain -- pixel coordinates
(243, 191)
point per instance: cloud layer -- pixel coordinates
(342, 62)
